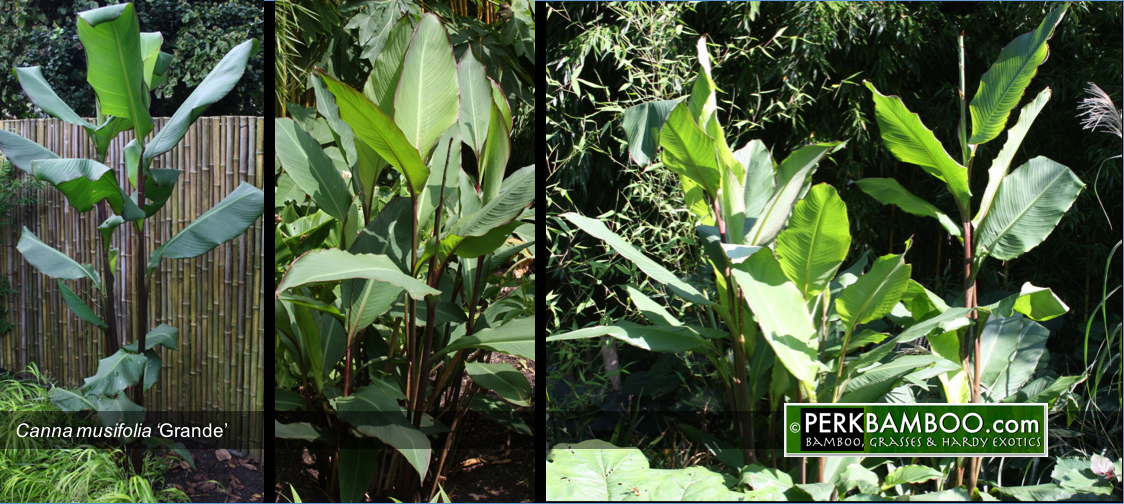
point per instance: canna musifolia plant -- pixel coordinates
(123, 66)
(1018, 210)
(384, 301)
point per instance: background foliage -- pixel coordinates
(791, 73)
(198, 34)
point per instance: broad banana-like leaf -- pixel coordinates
(1029, 203)
(651, 310)
(1045, 389)
(410, 442)
(876, 381)
(954, 383)
(642, 125)
(703, 102)
(732, 199)
(330, 265)
(53, 263)
(1002, 161)
(427, 101)
(782, 314)
(115, 373)
(791, 174)
(911, 142)
(333, 342)
(150, 54)
(69, 401)
(500, 98)
(215, 85)
(226, 221)
(670, 339)
(287, 400)
(163, 335)
(115, 68)
(86, 182)
(658, 273)
(1039, 303)
(874, 294)
(356, 469)
(41, 94)
(816, 241)
(515, 338)
(497, 150)
(501, 378)
(759, 177)
(380, 133)
(950, 320)
(80, 307)
(387, 67)
(159, 185)
(695, 198)
(309, 167)
(1009, 352)
(888, 191)
(476, 101)
(1002, 86)
(326, 105)
(688, 150)
(517, 193)
(23, 152)
(302, 430)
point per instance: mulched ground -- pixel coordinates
(219, 476)
(507, 475)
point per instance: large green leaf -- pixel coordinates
(669, 339)
(760, 176)
(732, 203)
(410, 442)
(53, 263)
(387, 67)
(688, 150)
(309, 167)
(911, 142)
(1002, 161)
(380, 132)
(501, 412)
(23, 152)
(115, 373)
(80, 307)
(222, 223)
(791, 176)
(69, 401)
(356, 467)
(658, 273)
(1009, 352)
(503, 379)
(164, 335)
(333, 342)
(816, 241)
(642, 125)
(1002, 86)
(115, 67)
(476, 101)
(334, 264)
(86, 182)
(303, 430)
(871, 384)
(1029, 203)
(596, 471)
(215, 85)
(41, 94)
(516, 338)
(874, 294)
(493, 162)
(782, 314)
(888, 191)
(518, 192)
(427, 101)
(651, 310)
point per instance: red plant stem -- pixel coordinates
(111, 342)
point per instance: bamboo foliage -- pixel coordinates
(215, 300)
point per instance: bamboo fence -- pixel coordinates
(215, 300)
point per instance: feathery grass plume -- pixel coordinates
(1099, 109)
